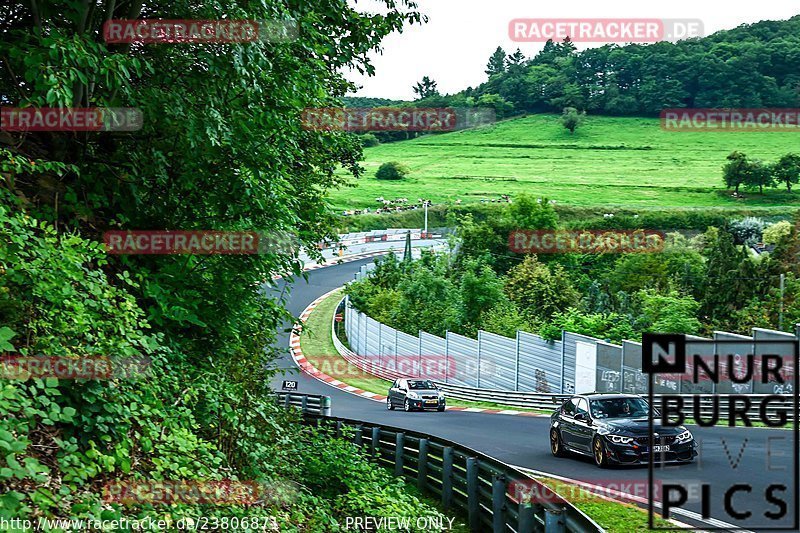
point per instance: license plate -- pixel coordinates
(661, 448)
(433, 402)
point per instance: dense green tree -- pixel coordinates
(787, 170)
(428, 301)
(571, 119)
(497, 62)
(501, 107)
(527, 212)
(392, 170)
(669, 313)
(608, 326)
(775, 232)
(515, 59)
(736, 171)
(759, 175)
(731, 278)
(505, 319)
(425, 88)
(481, 290)
(540, 291)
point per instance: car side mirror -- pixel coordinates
(403, 390)
(580, 416)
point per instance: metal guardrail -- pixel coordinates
(484, 488)
(527, 400)
(310, 404)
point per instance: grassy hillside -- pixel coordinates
(609, 161)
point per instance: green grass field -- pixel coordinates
(608, 161)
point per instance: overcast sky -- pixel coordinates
(455, 44)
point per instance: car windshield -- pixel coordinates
(619, 408)
(423, 384)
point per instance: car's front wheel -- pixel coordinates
(440, 408)
(556, 447)
(599, 453)
(389, 404)
(406, 406)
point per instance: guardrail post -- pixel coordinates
(399, 446)
(286, 401)
(374, 445)
(498, 503)
(554, 521)
(447, 477)
(478, 370)
(446, 357)
(516, 365)
(304, 403)
(525, 518)
(358, 440)
(473, 505)
(422, 465)
(326, 405)
(338, 429)
(563, 358)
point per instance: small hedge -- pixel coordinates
(392, 171)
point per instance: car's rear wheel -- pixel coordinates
(556, 447)
(599, 453)
(389, 404)
(406, 405)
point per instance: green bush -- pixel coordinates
(368, 140)
(392, 171)
(64, 440)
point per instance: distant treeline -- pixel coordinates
(756, 65)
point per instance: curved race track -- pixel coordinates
(727, 455)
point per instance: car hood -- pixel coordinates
(637, 426)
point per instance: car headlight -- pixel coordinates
(686, 436)
(619, 439)
(413, 396)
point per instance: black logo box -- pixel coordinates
(678, 366)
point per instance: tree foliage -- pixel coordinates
(392, 170)
(222, 148)
(571, 119)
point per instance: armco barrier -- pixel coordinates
(462, 478)
(311, 404)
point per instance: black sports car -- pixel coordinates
(613, 429)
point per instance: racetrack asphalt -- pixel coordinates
(756, 457)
